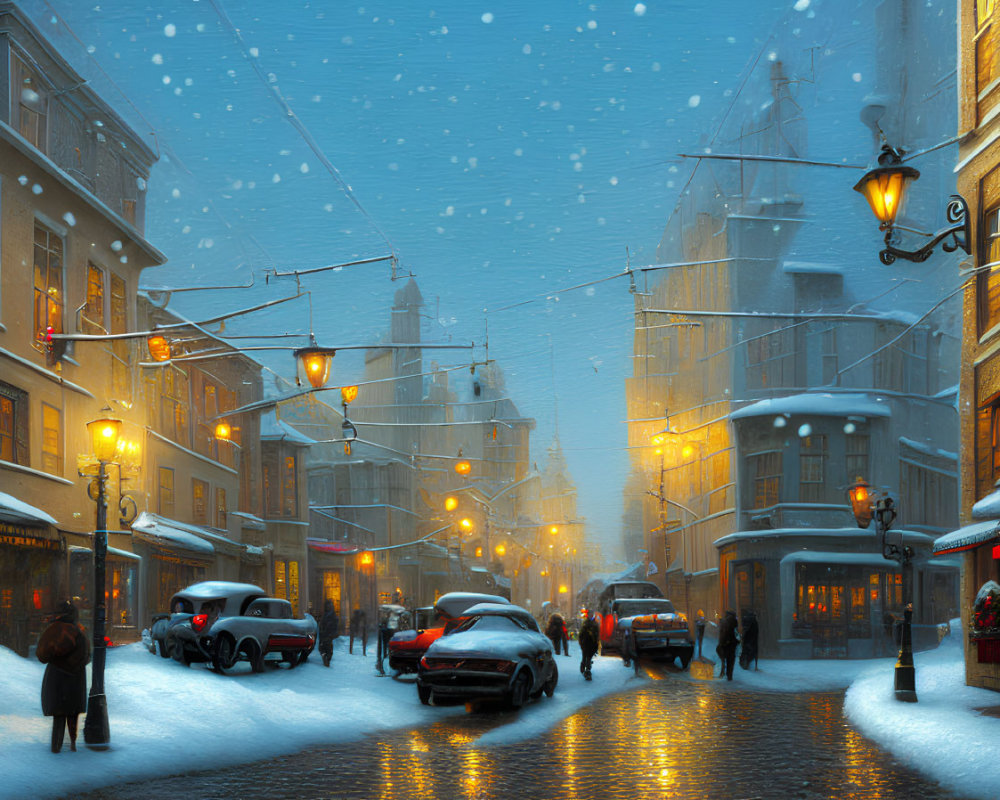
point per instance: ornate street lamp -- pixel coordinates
(867, 503)
(885, 190)
(104, 433)
(315, 362)
(223, 432)
(462, 466)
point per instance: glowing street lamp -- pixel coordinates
(223, 432)
(450, 503)
(315, 362)
(159, 347)
(104, 433)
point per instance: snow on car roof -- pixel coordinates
(496, 610)
(210, 589)
(455, 603)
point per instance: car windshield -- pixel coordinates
(491, 623)
(633, 608)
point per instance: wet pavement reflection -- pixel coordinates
(670, 738)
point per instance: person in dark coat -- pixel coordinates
(728, 640)
(65, 651)
(329, 629)
(751, 632)
(556, 631)
(590, 640)
(359, 628)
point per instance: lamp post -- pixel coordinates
(104, 434)
(866, 503)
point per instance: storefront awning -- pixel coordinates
(968, 537)
(14, 510)
(112, 551)
(161, 531)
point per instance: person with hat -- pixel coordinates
(65, 651)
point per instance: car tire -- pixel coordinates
(224, 655)
(304, 656)
(291, 657)
(177, 652)
(425, 693)
(685, 660)
(161, 648)
(550, 684)
(520, 690)
(255, 655)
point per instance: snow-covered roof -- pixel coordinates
(272, 428)
(988, 507)
(112, 551)
(159, 531)
(968, 537)
(14, 510)
(820, 557)
(927, 449)
(249, 520)
(821, 404)
(856, 535)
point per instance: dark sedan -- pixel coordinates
(497, 652)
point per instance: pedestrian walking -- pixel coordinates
(748, 652)
(729, 638)
(699, 626)
(390, 617)
(65, 651)
(590, 640)
(556, 631)
(359, 629)
(329, 629)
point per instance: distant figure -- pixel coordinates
(699, 626)
(390, 618)
(65, 651)
(590, 640)
(329, 629)
(728, 640)
(751, 631)
(359, 628)
(556, 631)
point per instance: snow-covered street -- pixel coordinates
(166, 719)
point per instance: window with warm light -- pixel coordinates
(987, 66)
(121, 349)
(13, 424)
(987, 439)
(171, 383)
(52, 440)
(165, 491)
(221, 512)
(289, 488)
(988, 279)
(48, 278)
(199, 501)
(92, 316)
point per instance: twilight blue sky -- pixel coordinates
(503, 150)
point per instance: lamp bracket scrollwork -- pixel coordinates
(953, 237)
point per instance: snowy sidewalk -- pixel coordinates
(165, 718)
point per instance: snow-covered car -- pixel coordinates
(656, 629)
(619, 590)
(407, 647)
(497, 652)
(222, 623)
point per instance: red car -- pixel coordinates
(406, 648)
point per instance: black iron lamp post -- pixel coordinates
(885, 189)
(104, 434)
(867, 503)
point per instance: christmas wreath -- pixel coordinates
(986, 610)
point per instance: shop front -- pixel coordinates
(121, 595)
(31, 581)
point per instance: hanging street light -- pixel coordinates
(462, 466)
(315, 362)
(223, 432)
(885, 190)
(104, 433)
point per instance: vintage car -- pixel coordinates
(407, 647)
(651, 628)
(497, 652)
(222, 623)
(617, 590)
